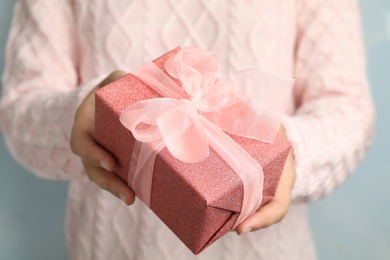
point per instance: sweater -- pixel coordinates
(59, 50)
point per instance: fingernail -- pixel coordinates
(104, 165)
(246, 230)
(122, 197)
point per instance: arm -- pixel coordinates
(333, 124)
(40, 97)
(334, 121)
(43, 114)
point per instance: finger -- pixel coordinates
(83, 145)
(275, 210)
(88, 150)
(270, 214)
(82, 142)
(111, 77)
(110, 182)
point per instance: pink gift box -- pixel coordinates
(199, 202)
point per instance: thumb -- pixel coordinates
(116, 74)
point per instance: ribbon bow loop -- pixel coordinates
(188, 133)
(195, 68)
(152, 120)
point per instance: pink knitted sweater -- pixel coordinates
(59, 50)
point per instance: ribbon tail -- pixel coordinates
(239, 119)
(247, 169)
(262, 103)
(264, 92)
(140, 176)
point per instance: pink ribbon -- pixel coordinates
(190, 118)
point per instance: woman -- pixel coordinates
(60, 51)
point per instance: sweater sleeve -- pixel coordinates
(40, 93)
(333, 124)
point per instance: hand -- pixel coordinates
(98, 163)
(276, 209)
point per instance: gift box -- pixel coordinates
(198, 201)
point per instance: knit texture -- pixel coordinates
(59, 50)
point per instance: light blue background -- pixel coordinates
(352, 223)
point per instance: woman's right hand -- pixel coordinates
(98, 163)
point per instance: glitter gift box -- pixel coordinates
(199, 202)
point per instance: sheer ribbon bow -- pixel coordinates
(191, 118)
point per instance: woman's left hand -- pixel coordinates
(276, 209)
